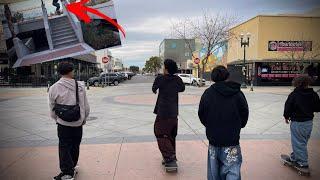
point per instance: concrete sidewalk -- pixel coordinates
(142, 161)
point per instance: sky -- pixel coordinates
(148, 22)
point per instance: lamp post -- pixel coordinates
(244, 44)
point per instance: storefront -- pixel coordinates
(282, 73)
(280, 48)
(43, 73)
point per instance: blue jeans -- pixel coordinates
(224, 163)
(300, 134)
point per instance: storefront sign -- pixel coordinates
(290, 46)
(279, 70)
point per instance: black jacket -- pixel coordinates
(167, 103)
(301, 104)
(223, 110)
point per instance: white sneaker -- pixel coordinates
(76, 169)
(62, 176)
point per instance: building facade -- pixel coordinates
(280, 48)
(115, 64)
(216, 58)
(179, 50)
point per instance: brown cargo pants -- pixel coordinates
(165, 130)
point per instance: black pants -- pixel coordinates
(69, 146)
(165, 130)
(56, 4)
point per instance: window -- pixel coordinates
(173, 45)
(187, 54)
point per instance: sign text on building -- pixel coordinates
(290, 46)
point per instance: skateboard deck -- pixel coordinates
(301, 171)
(171, 169)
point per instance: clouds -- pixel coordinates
(134, 49)
(154, 25)
(148, 22)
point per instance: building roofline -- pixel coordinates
(276, 15)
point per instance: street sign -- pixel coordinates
(105, 60)
(196, 60)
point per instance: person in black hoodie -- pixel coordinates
(299, 110)
(223, 110)
(166, 109)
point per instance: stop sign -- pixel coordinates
(105, 60)
(196, 60)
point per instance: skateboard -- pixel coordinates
(301, 171)
(171, 169)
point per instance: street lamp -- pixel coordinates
(244, 44)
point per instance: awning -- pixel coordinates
(87, 57)
(79, 51)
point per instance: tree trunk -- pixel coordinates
(8, 15)
(202, 70)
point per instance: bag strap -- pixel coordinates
(77, 93)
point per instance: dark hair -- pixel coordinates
(302, 81)
(65, 67)
(219, 73)
(171, 66)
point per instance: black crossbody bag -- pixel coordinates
(69, 113)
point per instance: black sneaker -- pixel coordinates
(163, 162)
(63, 176)
(286, 158)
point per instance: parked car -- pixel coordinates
(110, 78)
(190, 79)
(129, 74)
(122, 76)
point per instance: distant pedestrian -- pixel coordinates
(299, 112)
(166, 124)
(223, 110)
(57, 5)
(69, 108)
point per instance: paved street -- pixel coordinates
(121, 124)
(126, 112)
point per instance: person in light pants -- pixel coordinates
(299, 112)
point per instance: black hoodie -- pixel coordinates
(167, 103)
(223, 110)
(301, 104)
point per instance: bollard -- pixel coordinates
(48, 87)
(251, 88)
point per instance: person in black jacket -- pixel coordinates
(299, 110)
(57, 5)
(166, 109)
(223, 110)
